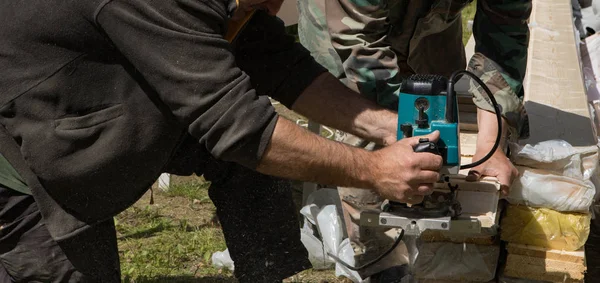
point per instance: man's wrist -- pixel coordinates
(380, 126)
(365, 169)
(487, 123)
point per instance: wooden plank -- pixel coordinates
(468, 121)
(535, 263)
(555, 96)
(560, 255)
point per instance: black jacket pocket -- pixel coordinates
(88, 120)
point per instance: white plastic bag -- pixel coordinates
(537, 188)
(553, 174)
(324, 232)
(346, 253)
(316, 253)
(222, 260)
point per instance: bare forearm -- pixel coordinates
(488, 129)
(329, 102)
(297, 154)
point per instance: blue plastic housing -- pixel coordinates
(449, 132)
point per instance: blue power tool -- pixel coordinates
(428, 103)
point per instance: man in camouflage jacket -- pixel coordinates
(373, 45)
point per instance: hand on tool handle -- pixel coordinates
(405, 175)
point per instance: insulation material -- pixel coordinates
(545, 228)
(553, 174)
(456, 262)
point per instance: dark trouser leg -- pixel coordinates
(29, 254)
(259, 221)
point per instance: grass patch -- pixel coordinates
(158, 245)
(194, 189)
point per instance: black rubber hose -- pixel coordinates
(374, 261)
(451, 82)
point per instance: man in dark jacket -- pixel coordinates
(99, 97)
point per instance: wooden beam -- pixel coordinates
(527, 262)
(555, 96)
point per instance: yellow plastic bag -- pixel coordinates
(546, 228)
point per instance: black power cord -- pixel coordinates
(453, 79)
(451, 82)
(374, 261)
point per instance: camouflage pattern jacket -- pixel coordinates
(372, 45)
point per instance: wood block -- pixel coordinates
(531, 251)
(479, 201)
(534, 263)
(540, 269)
(468, 121)
(466, 108)
(555, 96)
(468, 142)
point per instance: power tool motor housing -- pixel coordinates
(425, 105)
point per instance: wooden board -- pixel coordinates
(556, 102)
(555, 96)
(479, 201)
(566, 256)
(535, 263)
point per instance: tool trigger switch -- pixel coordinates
(423, 140)
(426, 146)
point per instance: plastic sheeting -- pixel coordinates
(456, 262)
(545, 228)
(323, 233)
(553, 174)
(222, 260)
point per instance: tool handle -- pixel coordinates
(426, 146)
